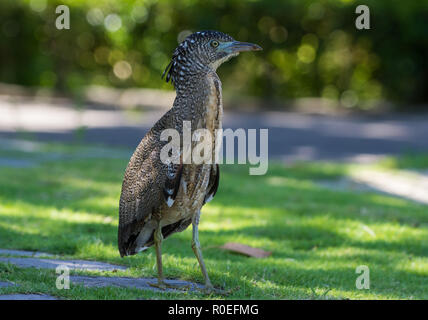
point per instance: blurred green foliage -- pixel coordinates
(311, 48)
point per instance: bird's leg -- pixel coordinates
(158, 237)
(209, 288)
(161, 284)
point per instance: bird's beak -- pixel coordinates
(237, 46)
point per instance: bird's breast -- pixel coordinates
(213, 108)
(191, 194)
(195, 177)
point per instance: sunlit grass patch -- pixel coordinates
(412, 161)
(317, 236)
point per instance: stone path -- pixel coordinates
(408, 184)
(16, 163)
(4, 284)
(80, 265)
(29, 259)
(411, 185)
(19, 296)
(24, 253)
(137, 283)
(292, 136)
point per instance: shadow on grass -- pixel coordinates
(287, 202)
(74, 188)
(59, 237)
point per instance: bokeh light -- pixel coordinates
(112, 22)
(122, 69)
(310, 48)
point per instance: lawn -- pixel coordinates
(64, 200)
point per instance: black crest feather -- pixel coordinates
(181, 53)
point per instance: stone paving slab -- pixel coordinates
(19, 296)
(81, 265)
(30, 260)
(11, 252)
(138, 283)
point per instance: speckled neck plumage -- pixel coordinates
(193, 74)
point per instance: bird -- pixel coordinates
(160, 198)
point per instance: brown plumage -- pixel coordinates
(159, 199)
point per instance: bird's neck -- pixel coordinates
(195, 84)
(199, 99)
(188, 80)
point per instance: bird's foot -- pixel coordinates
(161, 284)
(209, 289)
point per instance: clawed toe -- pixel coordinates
(163, 286)
(209, 289)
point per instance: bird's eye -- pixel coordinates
(214, 43)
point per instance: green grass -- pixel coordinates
(69, 206)
(412, 161)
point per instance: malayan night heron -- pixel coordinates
(158, 197)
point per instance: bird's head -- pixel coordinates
(203, 51)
